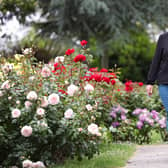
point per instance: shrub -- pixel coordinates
(135, 115)
(50, 112)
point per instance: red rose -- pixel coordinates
(62, 91)
(128, 86)
(80, 58)
(112, 75)
(103, 70)
(128, 89)
(140, 83)
(57, 66)
(83, 42)
(93, 69)
(69, 51)
(113, 81)
(106, 79)
(96, 77)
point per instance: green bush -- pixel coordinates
(48, 112)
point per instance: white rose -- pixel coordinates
(27, 163)
(69, 114)
(93, 129)
(32, 95)
(89, 107)
(72, 89)
(59, 59)
(89, 88)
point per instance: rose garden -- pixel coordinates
(73, 77)
(67, 110)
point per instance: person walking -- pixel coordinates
(158, 72)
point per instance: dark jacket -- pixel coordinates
(158, 72)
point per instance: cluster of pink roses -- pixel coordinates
(147, 117)
(53, 99)
(118, 113)
(29, 164)
(152, 118)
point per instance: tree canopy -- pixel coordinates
(83, 18)
(105, 21)
(99, 18)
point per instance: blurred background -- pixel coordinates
(118, 31)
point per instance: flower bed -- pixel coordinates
(50, 112)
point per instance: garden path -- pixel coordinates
(149, 156)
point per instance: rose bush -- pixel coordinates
(135, 115)
(50, 112)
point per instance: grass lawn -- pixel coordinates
(111, 156)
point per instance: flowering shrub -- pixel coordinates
(133, 117)
(51, 112)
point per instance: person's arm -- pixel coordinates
(154, 67)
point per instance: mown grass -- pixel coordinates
(156, 138)
(111, 156)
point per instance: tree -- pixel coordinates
(104, 20)
(133, 57)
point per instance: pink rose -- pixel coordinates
(89, 88)
(162, 122)
(72, 89)
(16, 113)
(26, 131)
(45, 72)
(88, 107)
(139, 124)
(142, 117)
(28, 104)
(5, 85)
(123, 117)
(93, 129)
(44, 101)
(69, 114)
(32, 95)
(38, 164)
(27, 163)
(80, 129)
(53, 99)
(40, 111)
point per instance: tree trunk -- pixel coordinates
(104, 61)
